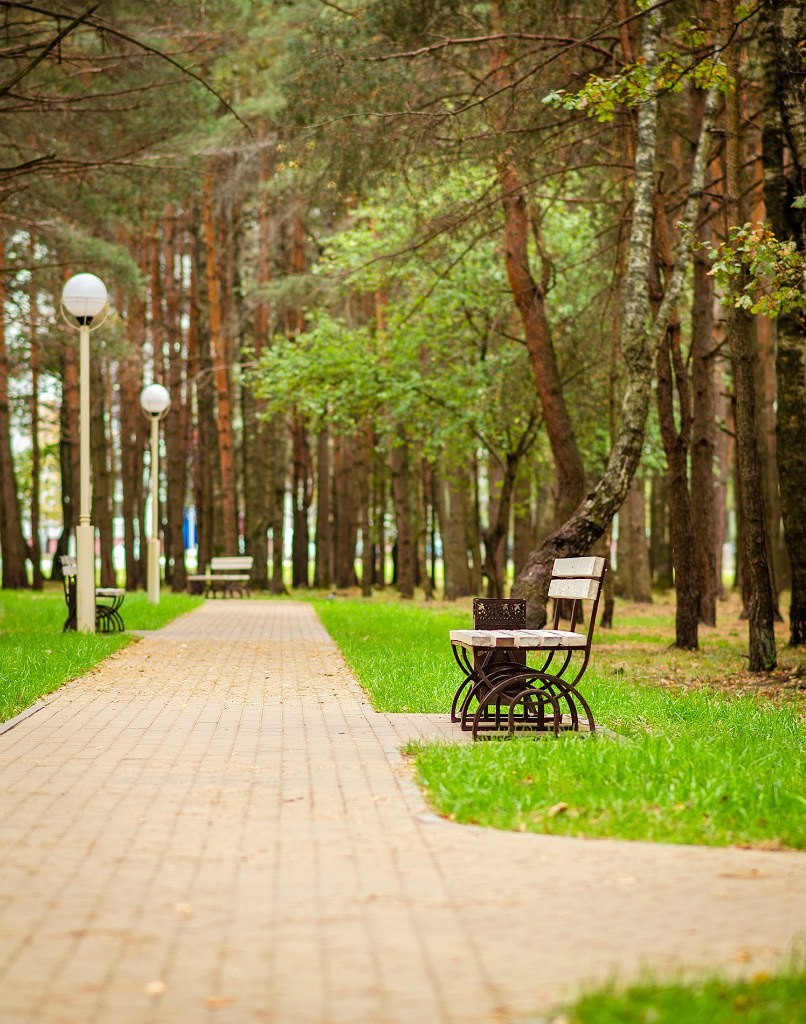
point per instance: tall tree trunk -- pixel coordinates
(703, 506)
(101, 470)
(346, 503)
(12, 541)
(401, 495)
(740, 341)
(322, 573)
(68, 453)
(220, 354)
(36, 546)
(786, 84)
(133, 428)
(454, 503)
(634, 577)
(672, 377)
(206, 469)
(175, 425)
(302, 494)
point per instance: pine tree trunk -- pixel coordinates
(302, 494)
(220, 354)
(786, 88)
(634, 578)
(660, 549)
(133, 428)
(345, 512)
(672, 378)
(401, 495)
(322, 574)
(703, 508)
(739, 336)
(455, 499)
(206, 469)
(68, 454)
(100, 451)
(12, 542)
(524, 533)
(36, 547)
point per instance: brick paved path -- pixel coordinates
(215, 825)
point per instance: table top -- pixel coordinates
(525, 639)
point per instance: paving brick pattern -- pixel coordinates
(215, 825)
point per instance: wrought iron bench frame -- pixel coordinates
(107, 602)
(499, 690)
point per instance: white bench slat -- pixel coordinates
(531, 639)
(231, 564)
(574, 589)
(592, 566)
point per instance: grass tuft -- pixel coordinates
(36, 657)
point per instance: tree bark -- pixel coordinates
(12, 541)
(592, 517)
(220, 354)
(760, 606)
(703, 506)
(634, 578)
(401, 495)
(36, 547)
(672, 377)
(788, 84)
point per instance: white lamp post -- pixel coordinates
(155, 402)
(84, 297)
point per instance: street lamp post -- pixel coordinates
(155, 402)
(84, 297)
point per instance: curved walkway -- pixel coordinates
(214, 824)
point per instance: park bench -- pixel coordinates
(107, 601)
(500, 693)
(226, 577)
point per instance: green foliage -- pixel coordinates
(756, 271)
(602, 97)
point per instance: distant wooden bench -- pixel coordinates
(500, 693)
(228, 577)
(107, 601)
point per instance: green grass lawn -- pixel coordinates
(763, 999)
(36, 657)
(691, 764)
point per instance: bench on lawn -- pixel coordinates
(500, 692)
(227, 576)
(107, 601)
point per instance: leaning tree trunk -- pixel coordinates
(590, 520)
(592, 517)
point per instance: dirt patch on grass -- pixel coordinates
(719, 664)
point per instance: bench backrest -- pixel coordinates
(69, 565)
(576, 580)
(234, 563)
